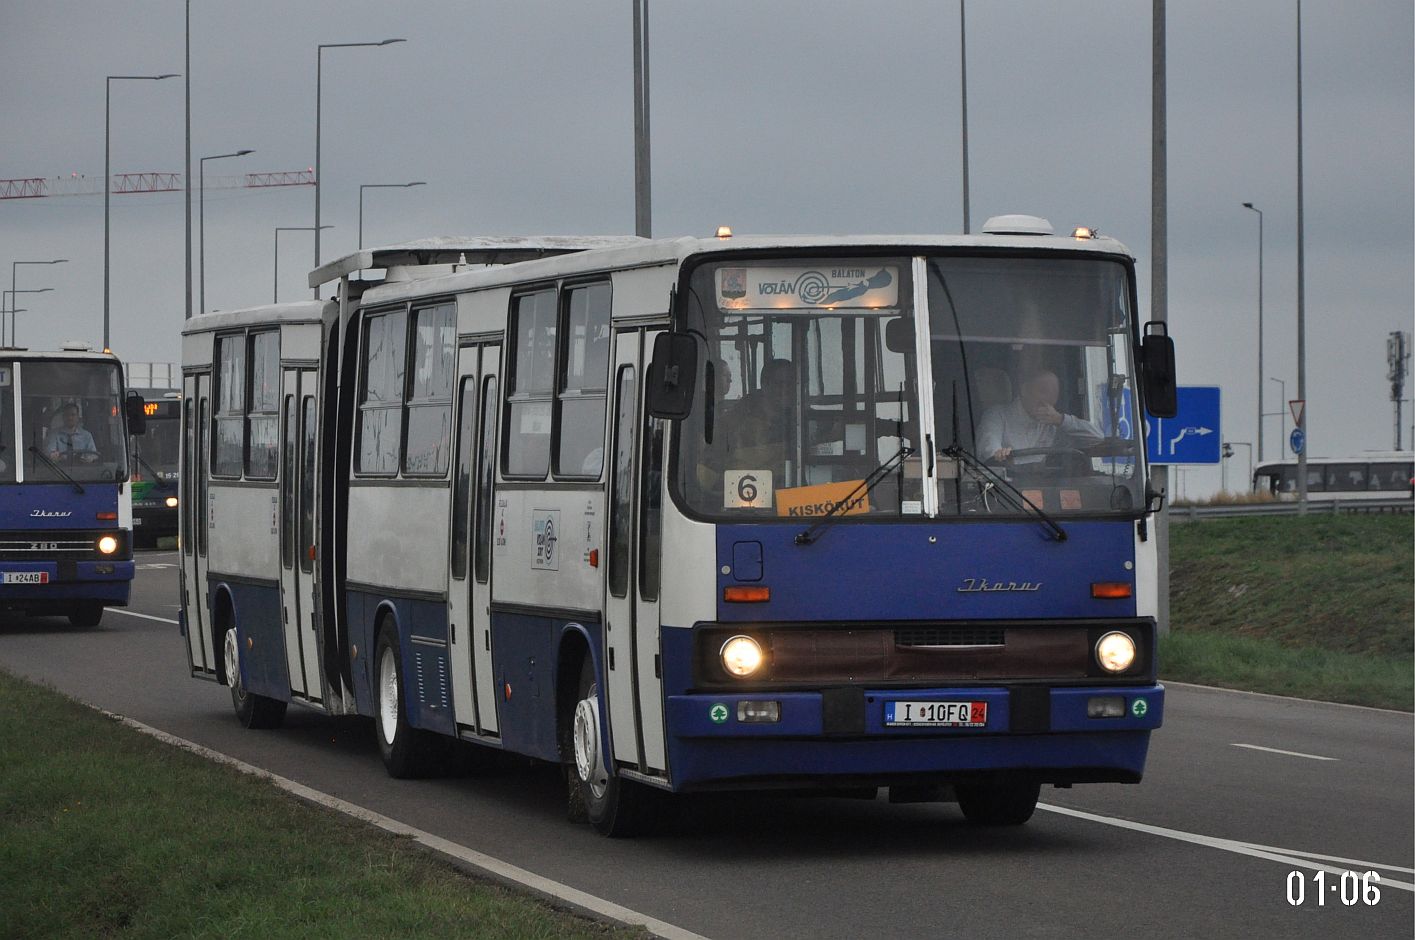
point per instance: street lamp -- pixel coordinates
(275, 297)
(108, 178)
(13, 266)
(318, 87)
(1282, 414)
(201, 215)
(1228, 452)
(14, 302)
(378, 186)
(1249, 205)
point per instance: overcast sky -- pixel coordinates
(769, 115)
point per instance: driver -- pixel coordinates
(1031, 420)
(73, 441)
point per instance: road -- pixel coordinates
(1228, 772)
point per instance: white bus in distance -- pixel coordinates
(1388, 474)
(452, 501)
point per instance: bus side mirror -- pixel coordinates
(137, 413)
(1157, 363)
(899, 335)
(671, 375)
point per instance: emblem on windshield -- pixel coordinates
(983, 585)
(47, 514)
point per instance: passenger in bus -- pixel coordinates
(1031, 420)
(72, 441)
(753, 432)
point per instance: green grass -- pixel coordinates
(107, 832)
(1318, 607)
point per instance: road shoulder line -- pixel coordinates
(548, 889)
(1284, 698)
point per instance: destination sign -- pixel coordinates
(813, 287)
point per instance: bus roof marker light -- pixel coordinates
(724, 231)
(1084, 231)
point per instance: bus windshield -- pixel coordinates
(157, 451)
(1032, 375)
(810, 386)
(70, 419)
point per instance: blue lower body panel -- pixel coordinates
(705, 753)
(85, 582)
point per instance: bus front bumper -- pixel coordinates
(106, 582)
(841, 738)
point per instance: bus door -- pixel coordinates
(483, 512)
(298, 429)
(631, 669)
(461, 633)
(195, 525)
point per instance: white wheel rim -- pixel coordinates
(589, 760)
(387, 696)
(232, 649)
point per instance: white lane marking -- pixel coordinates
(1277, 750)
(1354, 862)
(1226, 845)
(495, 867)
(148, 566)
(1280, 698)
(134, 613)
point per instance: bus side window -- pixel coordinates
(228, 432)
(584, 380)
(530, 386)
(287, 485)
(622, 508)
(462, 482)
(184, 501)
(263, 407)
(432, 372)
(307, 469)
(651, 514)
(484, 473)
(381, 402)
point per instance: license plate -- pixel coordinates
(137, 522)
(26, 577)
(906, 714)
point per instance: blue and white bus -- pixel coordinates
(65, 501)
(694, 514)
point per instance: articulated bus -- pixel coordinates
(65, 499)
(156, 466)
(1372, 475)
(694, 514)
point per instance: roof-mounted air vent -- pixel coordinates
(1017, 225)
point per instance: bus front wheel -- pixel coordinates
(86, 615)
(1005, 803)
(253, 711)
(616, 807)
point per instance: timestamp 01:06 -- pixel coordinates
(1350, 886)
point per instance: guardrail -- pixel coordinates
(1329, 507)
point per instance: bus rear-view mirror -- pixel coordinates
(137, 413)
(671, 375)
(899, 335)
(1157, 363)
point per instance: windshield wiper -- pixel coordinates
(862, 489)
(162, 482)
(57, 469)
(1013, 494)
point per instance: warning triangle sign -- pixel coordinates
(1298, 405)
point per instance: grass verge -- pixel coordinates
(1317, 607)
(107, 832)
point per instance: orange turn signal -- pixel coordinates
(107, 516)
(1111, 589)
(743, 594)
(594, 558)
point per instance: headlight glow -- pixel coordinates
(741, 656)
(1115, 652)
(107, 544)
(171, 502)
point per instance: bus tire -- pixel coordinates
(253, 711)
(408, 753)
(616, 807)
(1004, 803)
(86, 615)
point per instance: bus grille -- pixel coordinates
(936, 637)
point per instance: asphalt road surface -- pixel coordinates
(1240, 791)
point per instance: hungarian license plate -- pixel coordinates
(26, 577)
(905, 714)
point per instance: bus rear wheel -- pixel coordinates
(616, 807)
(1005, 803)
(86, 615)
(253, 711)
(407, 752)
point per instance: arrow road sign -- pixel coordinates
(1192, 435)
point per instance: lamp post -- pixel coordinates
(963, 91)
(13, 266)
(378, 186)
(1282, 415)
(1249, 205)
(275, 296)
(318, 88)
(201, 215)
(108, 178)
(14, 302)
(1301, 416)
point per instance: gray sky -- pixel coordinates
(769, 115)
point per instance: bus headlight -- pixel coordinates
(107, 544)
(171, 502)
(1115, 652)
(741, 656)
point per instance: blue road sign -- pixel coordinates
(1191, 436)
(1298, 440)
